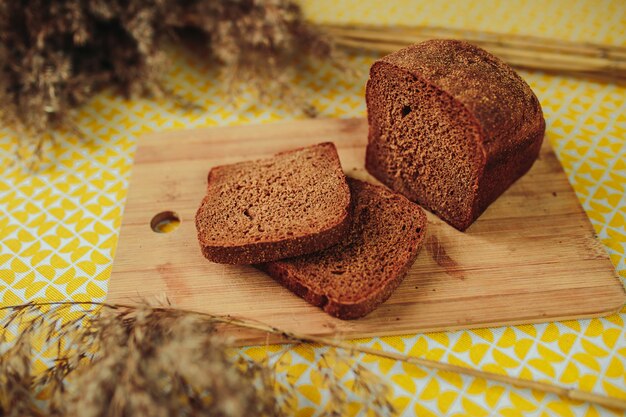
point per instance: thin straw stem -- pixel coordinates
(606, 62)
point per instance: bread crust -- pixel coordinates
(502, 107)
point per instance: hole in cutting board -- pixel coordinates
(165, 222)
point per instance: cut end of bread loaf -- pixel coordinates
(354, 277)
(294, 203)
(451, 127)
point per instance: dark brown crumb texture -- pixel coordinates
(451, 127)
(294, 203)
(354, 277)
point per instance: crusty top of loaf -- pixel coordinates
(504, 105)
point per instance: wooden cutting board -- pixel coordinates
(531, 257)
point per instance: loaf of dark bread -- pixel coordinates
(450, 127)
(294, 203)
(354, 277)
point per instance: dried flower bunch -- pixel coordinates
(54, 56)
(154, 361)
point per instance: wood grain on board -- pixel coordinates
(531, 257)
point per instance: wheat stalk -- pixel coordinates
(564, 392)
(117, 361)
(605, 62)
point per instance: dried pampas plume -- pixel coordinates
(120, 361)
(54, 56)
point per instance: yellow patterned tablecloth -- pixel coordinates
(59, 228)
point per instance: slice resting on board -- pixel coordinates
(352, 278)
(294, 203)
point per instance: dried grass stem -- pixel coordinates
(564, 392)
(606, 62)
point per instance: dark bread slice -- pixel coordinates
(354, 277)
(450, 127)
(294, 203)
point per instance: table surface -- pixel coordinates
(59, 227)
